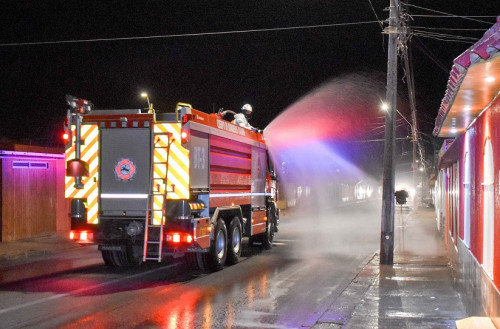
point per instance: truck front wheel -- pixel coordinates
(268, 236)
(234, 242)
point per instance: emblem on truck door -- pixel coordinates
(125, 169)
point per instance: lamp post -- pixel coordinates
(145, 95)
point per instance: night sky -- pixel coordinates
(269, 70)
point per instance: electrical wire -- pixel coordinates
(408, 68)
(443, 35)
(447, 33)
(471, 18)
(426, 121)
(456, 16)
(423, 35)
(183, 35)
(419, 44)
(376, 16)
(444, 28)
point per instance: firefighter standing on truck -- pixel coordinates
(241, 119)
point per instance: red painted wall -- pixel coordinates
(486, 126)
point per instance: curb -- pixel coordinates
(341, 310)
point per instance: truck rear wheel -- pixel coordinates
(215, 259)
(194, 261)
(234, 242)
(197, 261)
(132, 256)
(114, 258)
(109, 258)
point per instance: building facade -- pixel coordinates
(467, 188)
(31, 192)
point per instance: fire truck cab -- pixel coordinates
(144, 186)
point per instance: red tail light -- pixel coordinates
(81, 236)
(65, 138)
(179, 237)
(184, 137)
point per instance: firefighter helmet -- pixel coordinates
(247, 107)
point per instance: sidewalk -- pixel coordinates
(417, 292)
(24, 259)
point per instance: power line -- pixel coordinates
(443, 38)
(182, 35)
(442, 35)
(420, 45)
(471, 18)
(444, 28)
(376, 16)
(408, 67)
(455, 16)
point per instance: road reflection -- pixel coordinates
(281, 288)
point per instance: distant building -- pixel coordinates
(31, 192)
(467, 189)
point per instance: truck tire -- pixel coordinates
(108, 258)
(202, 261)
(216, 257)
(234, 242)
(112, 258)
(268, 237)
(131, 257)
(191, 261)
(134, 255)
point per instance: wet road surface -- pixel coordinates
(313, 260)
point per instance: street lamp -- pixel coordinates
(145, 95)
(385, 107)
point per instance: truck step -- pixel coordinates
(152, 258)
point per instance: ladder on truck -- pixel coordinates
(153, 231)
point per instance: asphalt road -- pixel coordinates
(314, 258)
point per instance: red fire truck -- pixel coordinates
(144, 186)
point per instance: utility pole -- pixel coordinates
(387, 227)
